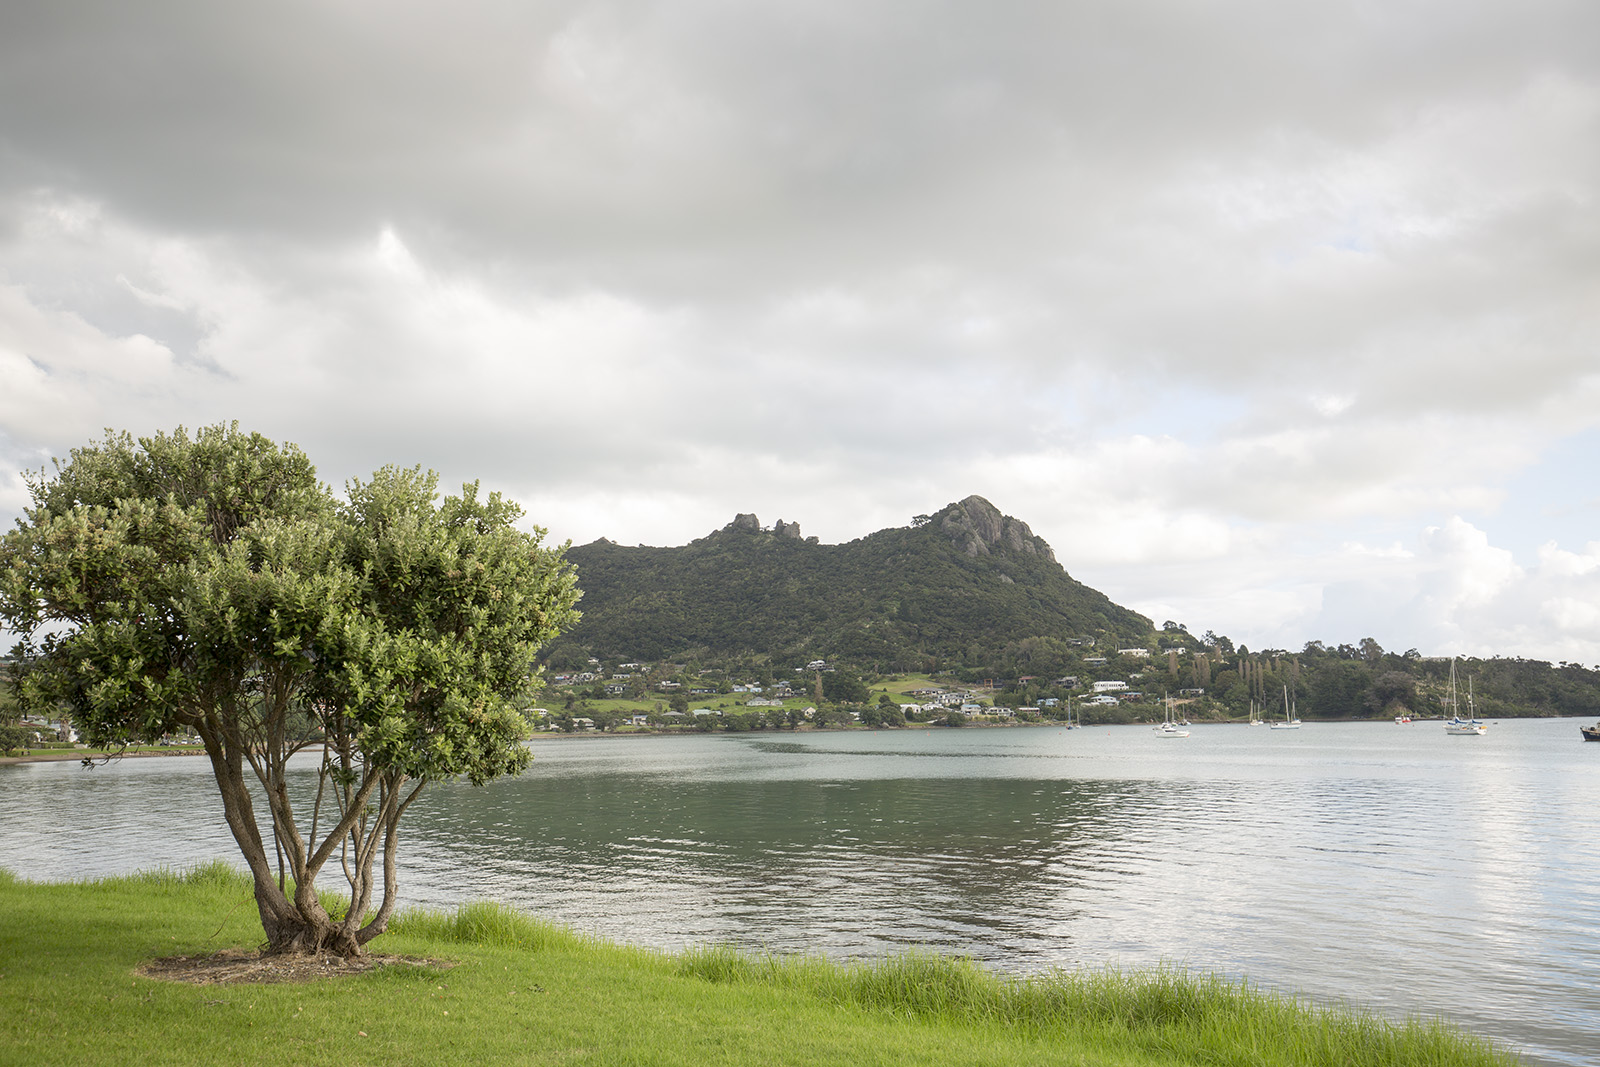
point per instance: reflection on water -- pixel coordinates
(1390, 866)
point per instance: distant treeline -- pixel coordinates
(1334, 682)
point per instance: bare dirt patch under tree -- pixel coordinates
(238, 967)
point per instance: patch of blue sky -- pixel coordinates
(1556, 499)
(1189, 413)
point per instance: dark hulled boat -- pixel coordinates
(1590, 733)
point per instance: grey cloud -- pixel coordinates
(844, 255)
(488, 117)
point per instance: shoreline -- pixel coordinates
(61, 755)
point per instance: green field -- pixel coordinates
(521, 991)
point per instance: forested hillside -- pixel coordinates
(956, 587)
(972, 596)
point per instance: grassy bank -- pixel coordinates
(522, 991)
(60, 752)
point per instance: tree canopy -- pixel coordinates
(211, 584)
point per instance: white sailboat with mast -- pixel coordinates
(1291, 721)
(1456, 726)
(1170, 728)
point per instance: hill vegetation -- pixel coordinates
(956, 588)
(969, 596)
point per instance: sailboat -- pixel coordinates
(1255, 715)
(1290, 720)
(1071, 723)
(1170, 727)
(1456, 726)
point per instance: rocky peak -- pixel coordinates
(750, 524)
(977, 528)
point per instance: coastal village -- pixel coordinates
(643, 696)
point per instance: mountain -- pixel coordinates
(957, 586)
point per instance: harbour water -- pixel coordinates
(1386, 866)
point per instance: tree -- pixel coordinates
(213, 585)
(15, 737)
(844, 687)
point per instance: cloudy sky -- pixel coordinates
(1277, 318)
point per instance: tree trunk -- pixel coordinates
(298, 926)
(295, 933)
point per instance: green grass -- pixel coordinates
(58, 748)
(522, 991)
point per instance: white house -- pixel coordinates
(1110, 686)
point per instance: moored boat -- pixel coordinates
(1291, 721)
(1590, 733)
(1456, 726)
(1170, 727)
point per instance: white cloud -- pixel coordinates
(1204, 298)
(63, 376)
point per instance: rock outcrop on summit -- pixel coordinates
(977, 528)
